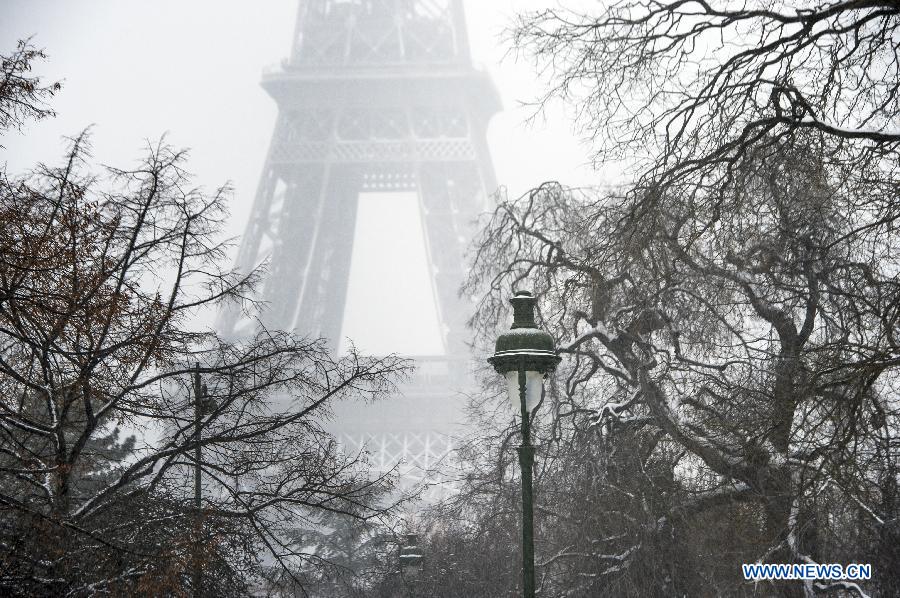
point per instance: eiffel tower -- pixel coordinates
(377, 96)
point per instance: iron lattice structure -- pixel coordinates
(377, 95)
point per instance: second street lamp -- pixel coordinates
(203, 405)
(525, 355)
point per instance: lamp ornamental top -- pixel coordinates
(525, 345)
(523, 310)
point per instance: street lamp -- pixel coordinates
(203, 405)
(525, 355)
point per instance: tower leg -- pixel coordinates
(320, 310)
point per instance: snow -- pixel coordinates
(852, 131)
(599, 331)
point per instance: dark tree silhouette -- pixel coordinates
(732, 314)
(686, 88)
(100, 278)
(752, 335)
(23, 96)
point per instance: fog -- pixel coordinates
(714, 362)
(134, 72)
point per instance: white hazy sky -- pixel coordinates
(191, 70)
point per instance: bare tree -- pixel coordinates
(685, 88)
(751, 333)
(736, 307)
(23, 96)
(100, 278)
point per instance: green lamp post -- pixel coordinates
(525, 355)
